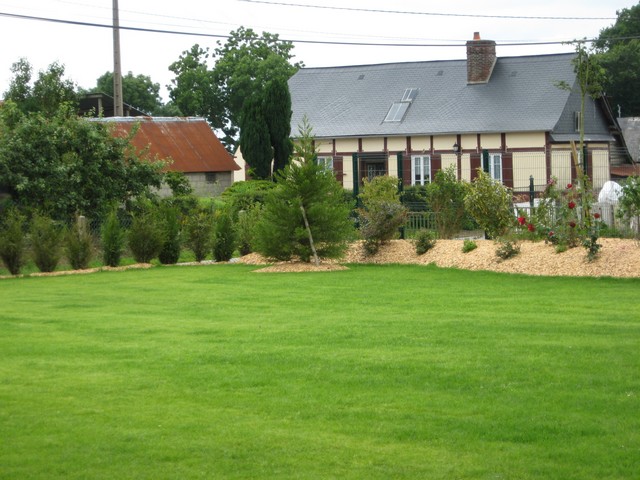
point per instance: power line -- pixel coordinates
(319, 42)
(400, 12)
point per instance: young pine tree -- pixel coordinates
(306, 215)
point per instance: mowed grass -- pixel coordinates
(376, 372)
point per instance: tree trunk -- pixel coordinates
(313, 248)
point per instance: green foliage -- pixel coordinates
(193, 90)
(558, 217)
(178, 183)
(254, 138)
(12, 240)
(618, 48)
(224, 236)
(629, 203)
(139, 91)
(489, 203)
(146, 236)
(507, 249)
(63, 164)
(277, 113)
(446, 199)
(425, 241)
(414, 197)
(382, 214)
(382, 188)
(304, 188)
(46, 239)
(47, 93)
(469, 245)
(245, 227)
(79, 244)
(169, 217)
(198, 228)
(113, 239)
(242, 68)
(243, 195)
(592, 245)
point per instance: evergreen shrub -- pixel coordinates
(46, 238)
(79, 244)
(12, 241)
(113, 239)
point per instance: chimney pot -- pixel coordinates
(476, 35)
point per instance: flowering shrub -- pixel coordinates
(563, 218)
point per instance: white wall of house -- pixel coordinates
(527, 164)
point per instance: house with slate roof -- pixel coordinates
(188, 144)
(506, 115)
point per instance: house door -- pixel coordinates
(373, 169)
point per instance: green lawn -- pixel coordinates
(377, 372)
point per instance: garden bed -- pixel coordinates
(617, 258)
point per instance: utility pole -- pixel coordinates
(118, 104)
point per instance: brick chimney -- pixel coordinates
(481, 58)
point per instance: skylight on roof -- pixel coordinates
(397, 111)
(409, 94)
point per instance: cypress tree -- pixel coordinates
(254, 138)
(277, 113)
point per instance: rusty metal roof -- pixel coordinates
(188, 141)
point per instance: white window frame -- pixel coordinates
(495, 166)
(420, 169)
(325, 162)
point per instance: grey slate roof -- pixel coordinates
(630, 127)
(353, 101)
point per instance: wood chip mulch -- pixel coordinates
(617, 258)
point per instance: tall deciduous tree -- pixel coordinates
(243, 66)
(619, 52)
(64, 164)
(139, 91)
(46, 94)
(193, 89)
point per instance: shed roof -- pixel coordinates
(522, 95)
(188, 141)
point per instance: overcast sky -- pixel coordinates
(87, 51)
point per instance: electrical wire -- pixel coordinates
(320, 42)
(400, 12)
